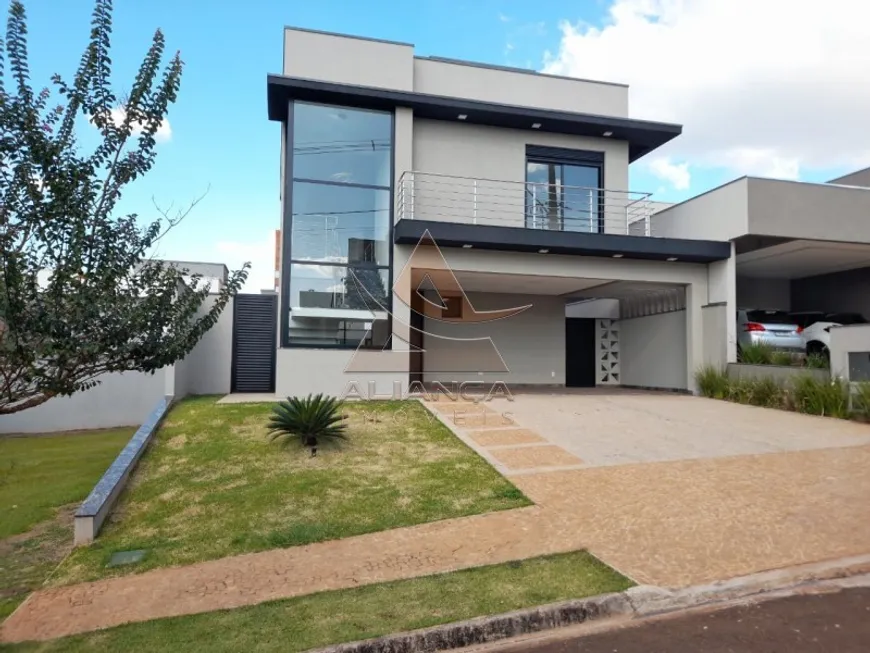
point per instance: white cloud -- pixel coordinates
(768, 87)
(503, 18)
(163, 133)
(676, 173)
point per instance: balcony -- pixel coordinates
(552, 207)
(537, 217)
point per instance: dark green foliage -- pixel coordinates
(804, 394)
(713, 382)
(310, 420)
(817, 361)
(80, 294)
(828, 397)
(784, 358)
(756, 354)
(861, 399)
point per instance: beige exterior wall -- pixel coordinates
(348, 60)
(532, 343)
(768, 207)
(857, 178)
(653, 351)
(846, 339)
(717, 342)
(809, 211)
(719, 214)
(491, 165)
(503, 86)
(300, 372)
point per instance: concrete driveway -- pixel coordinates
(617, 427)
(674, 490)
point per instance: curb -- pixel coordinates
(482, 630)
(635, 603)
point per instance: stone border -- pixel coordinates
(94, 510)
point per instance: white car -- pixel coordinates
(817, 336)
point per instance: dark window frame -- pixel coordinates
(287, 229)
(391, 210)
(564, 156)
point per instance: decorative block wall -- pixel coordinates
(607, 350)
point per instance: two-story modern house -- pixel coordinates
(450, 221)
(521, 182)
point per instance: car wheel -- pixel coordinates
(819, 349)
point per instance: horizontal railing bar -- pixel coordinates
(416, 176)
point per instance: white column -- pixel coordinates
(696, 296)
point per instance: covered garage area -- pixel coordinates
(805, 275)
(553, 331)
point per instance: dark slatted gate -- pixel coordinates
(255, 338)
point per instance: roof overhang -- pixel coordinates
(643, 136)
(518, 239)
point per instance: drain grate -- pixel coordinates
(126, 557)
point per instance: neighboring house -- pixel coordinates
(797, 246)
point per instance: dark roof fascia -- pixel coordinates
(643, 136)
(572, 243)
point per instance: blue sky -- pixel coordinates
(222, 142)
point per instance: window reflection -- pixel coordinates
(341, 145)
(340, 224)
(563, 197)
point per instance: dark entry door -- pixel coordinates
(579, 352)
(255, 319)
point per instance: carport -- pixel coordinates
(558, 331)
(805, 275)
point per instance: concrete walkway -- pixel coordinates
(672, 523)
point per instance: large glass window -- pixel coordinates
(563, 197)
(334, 287)
(341, 145)
(340, 224)
(339, 289)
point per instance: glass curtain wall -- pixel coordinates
(339, 226)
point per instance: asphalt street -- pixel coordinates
(821, 623)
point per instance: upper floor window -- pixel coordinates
(563, 189)
(341, 145)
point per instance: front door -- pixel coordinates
(579, 352)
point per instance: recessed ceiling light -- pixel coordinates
(462, 116)
(617, 256)
(672, 258)
(608, 134)
(467, 246)
(543, 251)
(536, 125)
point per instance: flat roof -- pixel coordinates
(643, 136)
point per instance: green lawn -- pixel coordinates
(370, 611)
(42, 480)
(211, 485)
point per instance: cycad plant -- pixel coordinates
(310, 420)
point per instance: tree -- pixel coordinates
(80, 291)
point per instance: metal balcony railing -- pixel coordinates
(446, 198)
